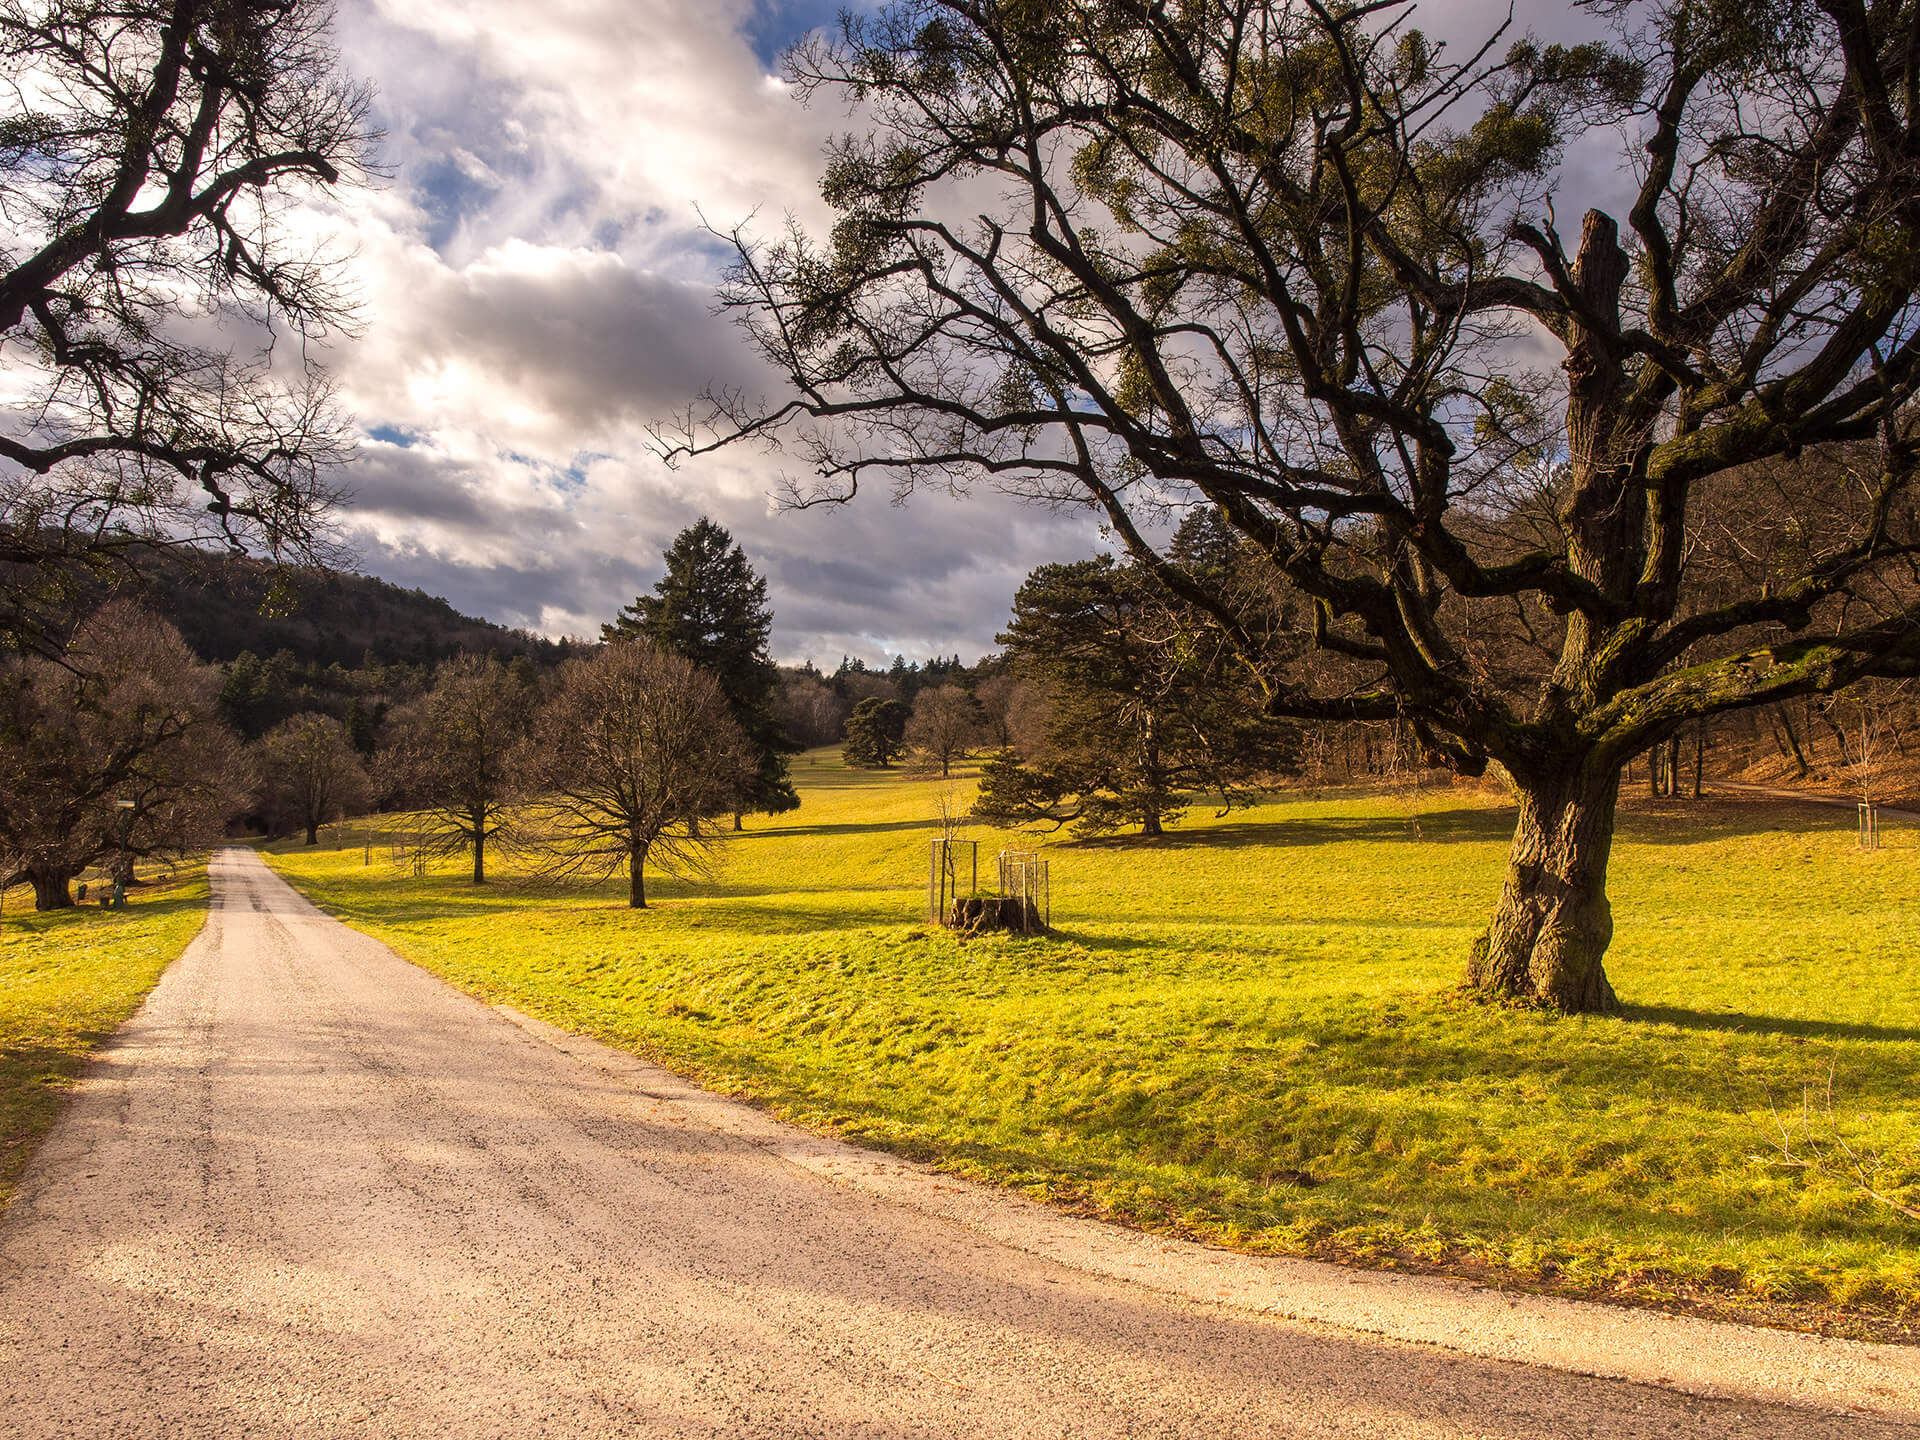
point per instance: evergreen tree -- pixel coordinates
(1148, 702)
(711, 608)
(876, 732)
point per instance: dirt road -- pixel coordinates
(311, 1191)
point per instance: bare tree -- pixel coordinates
(635, 746)
(150, 151)
(944, 724)
(810, 711)
(311, 773)
(452, 755)
(1274, 257)
(113, 753)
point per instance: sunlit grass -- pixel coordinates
(1249, 1032)
(67, 981)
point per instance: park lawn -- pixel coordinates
(1250, 1033)
(68, 980)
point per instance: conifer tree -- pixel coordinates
(711, 608)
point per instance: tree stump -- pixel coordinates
(976, 914)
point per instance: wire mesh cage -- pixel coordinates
(1869, 826)
(1024, 880)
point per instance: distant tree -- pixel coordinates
(311, 773)
(150, 153)
(811, 711)
(363, 726)
(876, 729)
(635, 746)
(127, 714)
(944, 724)
(1148, 699)
(712, 608)
(453, 755)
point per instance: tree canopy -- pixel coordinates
(876, 733)
(115, 751)
(1147, 701)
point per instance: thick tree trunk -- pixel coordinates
(313, 832)
(637, 879)
(51, 889)
(739, 822)
(1550, 931)
(479, 857)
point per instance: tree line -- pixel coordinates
(126, 746)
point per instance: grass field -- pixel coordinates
(1248, 1033)
(67, 981)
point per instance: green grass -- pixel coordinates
(67, 981)
(1249, 1032)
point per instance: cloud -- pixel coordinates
(538, 279)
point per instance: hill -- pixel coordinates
(228, 605)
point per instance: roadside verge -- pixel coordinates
(1700, 1357)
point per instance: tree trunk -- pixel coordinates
(50, 889)
(1550, 931)
(480, 854)
(313, 832)
(1699, 753)
(637, 878)
(1799, 755)
(1156, 788)
(739, 822)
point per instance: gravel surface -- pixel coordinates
(311, 1190)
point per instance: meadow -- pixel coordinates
(1249, 1032)
(68, 979)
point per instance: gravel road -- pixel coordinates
(312, 1191)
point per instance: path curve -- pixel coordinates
(309, 1190)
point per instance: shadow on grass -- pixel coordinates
(1440, 826)
(150, 900)
(1735, 1023)
(851, 828)
(1657, 823)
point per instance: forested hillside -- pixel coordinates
(225, 605)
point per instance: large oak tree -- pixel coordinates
(1291, 261)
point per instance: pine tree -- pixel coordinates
(1148, 705)
(712, 608)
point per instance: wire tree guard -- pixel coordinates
(1024, 905)
(1024, 881)
(1869, 826)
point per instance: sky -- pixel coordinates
(536, 275)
